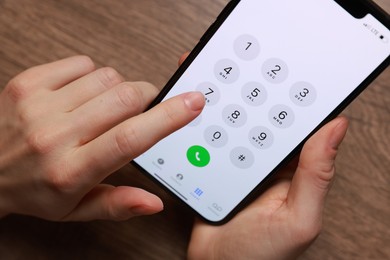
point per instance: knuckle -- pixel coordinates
(325, 178)
(130, 96)
(40, 141)
(58, 181)
(25, 115)
(30, 114)
(108, 77)
(18, 87)
(127, 142)
(170, 115)
(323, 173)
(86, 60)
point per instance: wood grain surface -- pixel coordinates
(143, 40)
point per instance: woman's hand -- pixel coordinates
(65, 126)
(285, 219)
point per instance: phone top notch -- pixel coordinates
(355, 7)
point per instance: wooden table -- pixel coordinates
(143, 40)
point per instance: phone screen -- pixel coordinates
(271, 74)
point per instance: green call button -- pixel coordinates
(198, 156)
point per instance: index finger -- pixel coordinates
(112, 150)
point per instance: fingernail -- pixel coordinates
(339, 133)
(194, 101)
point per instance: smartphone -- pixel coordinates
(272, 73)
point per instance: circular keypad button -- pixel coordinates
(211, 93)
(234, 115)
(227, 71)
(303, 94)
(275, 70)
(282, 116)
(216, 136)
(247, 47)
(254, 94)
(242, 158)
(261, 137)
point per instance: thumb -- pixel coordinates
(316, 170)
(105, 202)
